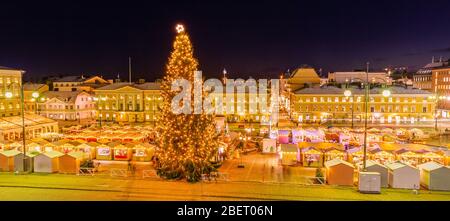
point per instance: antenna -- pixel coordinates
(129, 70)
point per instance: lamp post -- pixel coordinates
(385, 93)
(35, 96)
(436, 103)
(348, 93)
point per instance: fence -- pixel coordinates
(85, 172)
(118, 173)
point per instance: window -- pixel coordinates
(372, 109)
(336, 99)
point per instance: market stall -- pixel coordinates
(297, 136)
(435, 176)
(289, 154)
(381, 156)
(403, 176)
(143, 152)
(339, 172)
(408, 157)
(70, 163)
(7, 160)
(335, 154)
(269, 145)
(314, 135)
(372, 166)
(29, 161)
(122, 152)
(311, 157)
(432, 156)
(355, 155)
(47, 162)
(283, 136)
(89, 151)
(104, 152)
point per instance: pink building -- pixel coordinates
(67, 105)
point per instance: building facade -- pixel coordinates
(441, 87)
(32, 93)
(10, 91)
(11, 110)
(67, 105)
(125, 102)
(329, 104)
(423, 78)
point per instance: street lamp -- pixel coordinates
(35, 96)
(385, 93)
(348, 93)
(436, 100)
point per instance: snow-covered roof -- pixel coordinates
(429, 166)
(10, 153)
(336, 161)
(53, 154)
(370, 163)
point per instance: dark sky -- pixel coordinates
(255, 38)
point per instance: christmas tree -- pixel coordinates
(186, 142)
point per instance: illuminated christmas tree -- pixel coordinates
(186, 142)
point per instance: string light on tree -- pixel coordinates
(186, 142)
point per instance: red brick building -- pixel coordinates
(441, 86)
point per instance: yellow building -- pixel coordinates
(10, 110)
(244, 107)
(325, 104)
(10, 91)
(32, 94)
(125, 102)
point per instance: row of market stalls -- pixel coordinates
(111, 134)
(47, 162)
(430, 175)
(310, 154)
(347, 136)
(102, 150)
(69, 161)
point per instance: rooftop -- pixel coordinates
(70, 79)
(66, 96)
(8, 68)
(336, 90)
(144, 86)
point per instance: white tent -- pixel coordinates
(435, 176)
(403, 176)
(372, 166)
(269, 145)
(47, 162)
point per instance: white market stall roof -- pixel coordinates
(429, 166)
(53, 154)
(370, 163)
(337, 161)
(397, 165)
(77, 155)
(10, 153)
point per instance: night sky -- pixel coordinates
(255, 38)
